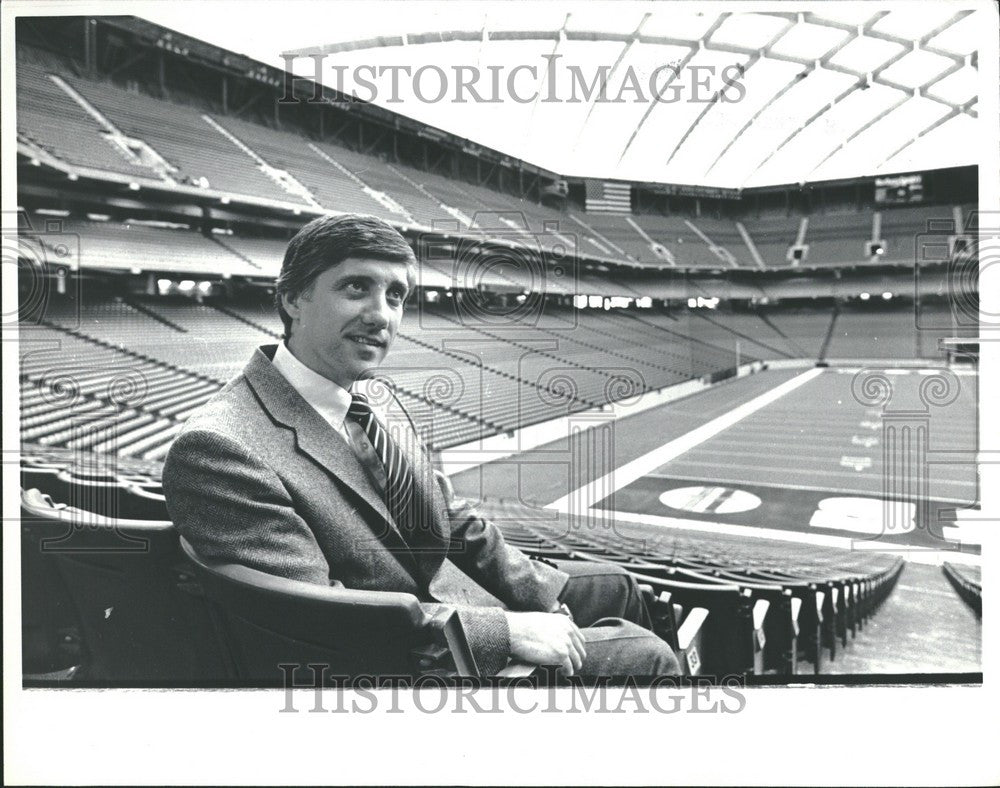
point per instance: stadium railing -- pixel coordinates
(969, 587)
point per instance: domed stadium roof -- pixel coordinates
(648, 91)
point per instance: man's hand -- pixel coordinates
(546, 639)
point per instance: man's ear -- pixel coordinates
(290, 303)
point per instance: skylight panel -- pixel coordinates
(780, 120)
(668, 22)
(516, 16)
(821, 138)
(916, 21)
(668, 123)
(957, 88)
(762, 80)
(866, 54)
(751, 31)
(607, 119)
(866, 151)
(917, 68)
(809, 42)
(620, 19)
(945, 146)
(964, 36)
(845, 13)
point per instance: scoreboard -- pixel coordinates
(899, 189)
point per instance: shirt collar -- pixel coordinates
(326, 397)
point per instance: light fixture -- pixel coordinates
(865, 296)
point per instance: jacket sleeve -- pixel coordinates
(231, 506)
(479, 550)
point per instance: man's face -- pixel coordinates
(343, 325)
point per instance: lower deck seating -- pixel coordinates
(771, 605)
(879, 333)
(121, 603)
(140, 365)
(968, 582)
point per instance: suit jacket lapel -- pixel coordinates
(314, 436)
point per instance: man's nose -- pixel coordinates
(377, 312)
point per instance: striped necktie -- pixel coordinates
(399, 476)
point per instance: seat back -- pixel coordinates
(272, 621)
(109, 495)
(143, 620)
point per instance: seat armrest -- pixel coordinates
(691, 628)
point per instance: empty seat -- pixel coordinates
(142, 617)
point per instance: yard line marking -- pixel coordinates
(579, 500)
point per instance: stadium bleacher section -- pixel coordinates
(48, 118)
(496, 382)
(837, 238)
(769, 605)
(124, 247)
(728, 607)
(464, 382)
(968, 582)
(902, 228)
(772, 237)
(247, 160)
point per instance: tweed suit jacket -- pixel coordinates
(258, 477)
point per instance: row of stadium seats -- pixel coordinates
(110, 596)
(235, 157)
(769, 607)
(50, 120)
(81, 393)
(142, 365)
(968, 582)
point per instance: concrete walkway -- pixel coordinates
(923, 627)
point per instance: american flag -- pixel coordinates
(608, 197)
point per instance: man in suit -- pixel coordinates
(287, 471)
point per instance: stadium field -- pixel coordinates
(794, 455)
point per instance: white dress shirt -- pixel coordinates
(327, 398)
(332, 403)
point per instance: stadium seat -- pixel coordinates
(104, 494)
(967, 582)
(142, 619)
(51, 637)
(270, 621)
(686, 639)
(733, 632)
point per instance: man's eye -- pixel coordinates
(396, 296)
(355, 287)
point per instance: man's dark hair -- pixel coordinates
(328, 241)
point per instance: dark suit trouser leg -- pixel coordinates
(608, 607)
